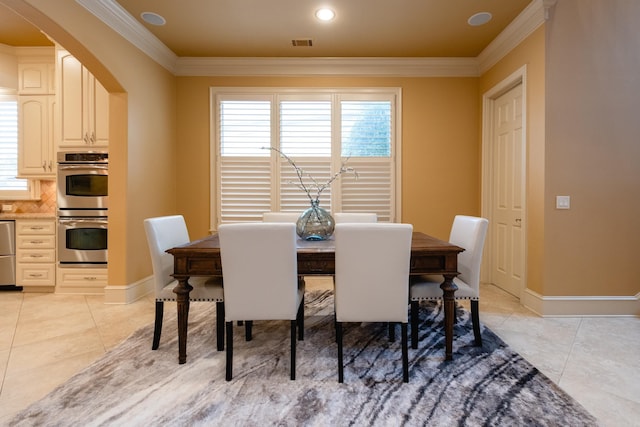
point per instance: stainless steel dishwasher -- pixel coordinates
(8, 256)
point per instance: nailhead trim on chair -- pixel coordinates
(439, 298)
(191, 299)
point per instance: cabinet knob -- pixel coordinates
(44, 166)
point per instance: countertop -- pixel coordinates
(30, 215)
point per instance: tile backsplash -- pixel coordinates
(46, 204)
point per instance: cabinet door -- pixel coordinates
(35, 143)
(71, 101)
(98, 102)
(84, 106)
(35, 79)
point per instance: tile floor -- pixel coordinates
(46, 338)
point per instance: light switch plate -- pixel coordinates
(563, 202)
(7, 208)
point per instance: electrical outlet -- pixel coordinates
(7, 208)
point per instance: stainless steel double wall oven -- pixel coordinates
(83, 194)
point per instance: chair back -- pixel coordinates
(344, 217)
(164, 233)
(281, 217)
(260, 270)
(469, 232)
(372, 272)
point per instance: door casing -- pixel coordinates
(488, 136)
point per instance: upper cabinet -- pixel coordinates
(36, 78)
(83, 105)
(36, 156)
(36, 98)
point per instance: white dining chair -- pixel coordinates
(346, 217)
(281, 216)
(164, 233)
(469, 233)
(260, 269)
(371, 279)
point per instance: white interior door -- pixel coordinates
(508, 193)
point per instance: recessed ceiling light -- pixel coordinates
(480, 18)
(325, 14)
(153, 18)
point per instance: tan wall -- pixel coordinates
(593, 149)
(142, 127)
(440, 150)
(529, 53)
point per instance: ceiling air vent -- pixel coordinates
(302, 42)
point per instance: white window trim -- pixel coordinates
(249, 91)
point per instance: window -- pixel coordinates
(318, 129)
(11, 188)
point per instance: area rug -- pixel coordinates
(134, 386)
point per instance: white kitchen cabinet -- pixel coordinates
(36, 78)
(83, 105)
(81, 280)
(36, 254)
(36, 148)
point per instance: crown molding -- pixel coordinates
(118, 19)
(519, 29)
(121, 21)
(293, 67)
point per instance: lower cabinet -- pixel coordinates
(36, 255)
(81, 280)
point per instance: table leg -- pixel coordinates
(448, 290)
(182, 290)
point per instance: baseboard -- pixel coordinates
(128, 293)
(581, 306)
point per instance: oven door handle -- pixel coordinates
(72, 221)
(83, 167)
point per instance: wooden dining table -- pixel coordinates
(429, 255)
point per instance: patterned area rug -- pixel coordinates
(133, 385)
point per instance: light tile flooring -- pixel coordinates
(46, 338)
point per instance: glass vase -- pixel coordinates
(315, 223)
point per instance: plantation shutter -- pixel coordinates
(258, 132)
(305, 137)
(366, 140)
(9, 146)
(244, 163)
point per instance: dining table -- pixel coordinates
(429, 255)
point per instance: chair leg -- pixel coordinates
(157, 329)
(340, 355)
(248, 325)
(293, 349)
(220, 325)
(300, 321)
(229, 365)
(475, 319)
(405, 353)
(414, 324)
(392, 331)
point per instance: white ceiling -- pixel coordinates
(265, 28)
